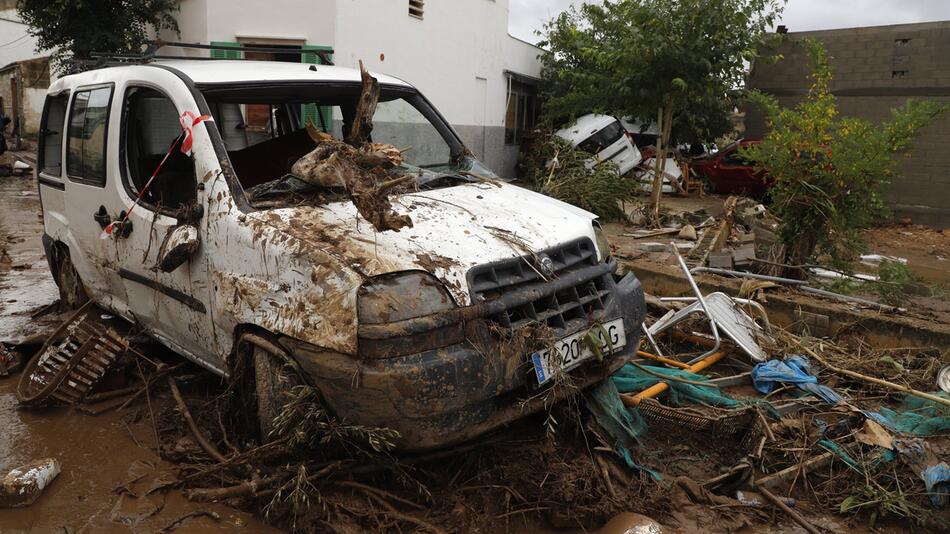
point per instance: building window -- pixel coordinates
(522, 113)
(86, 139)
(416, 8)
(51, 135)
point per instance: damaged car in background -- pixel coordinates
(251, 215)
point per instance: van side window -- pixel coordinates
(51, 135)
(88, 125)
(150, 126)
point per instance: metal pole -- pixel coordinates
(702, 302)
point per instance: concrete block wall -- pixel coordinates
(875, 70)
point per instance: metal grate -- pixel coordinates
(416, 8)
(72, 360)
(559, 310)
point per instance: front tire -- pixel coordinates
(273, 382)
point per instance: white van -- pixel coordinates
(235, 263)
(605, 138)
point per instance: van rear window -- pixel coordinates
(51, 135)
(607, 136)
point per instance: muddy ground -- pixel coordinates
(522, 479)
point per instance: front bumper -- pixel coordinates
(441, 397)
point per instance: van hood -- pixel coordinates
(453, 229)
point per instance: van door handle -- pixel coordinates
(102, 217)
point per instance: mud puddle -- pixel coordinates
(25, 281)
(99, 455)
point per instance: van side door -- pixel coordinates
(174, 305)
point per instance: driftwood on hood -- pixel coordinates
(362, 168)
(365, 109)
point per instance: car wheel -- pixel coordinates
(272, 384)
(71, 291)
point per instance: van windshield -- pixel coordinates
(605, 137)
(264, 128)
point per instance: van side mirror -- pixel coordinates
(179, 244)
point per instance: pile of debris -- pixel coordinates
(363, 170)
(743, 243)
(721, 417)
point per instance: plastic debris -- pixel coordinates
(23, 485)
(792, 370)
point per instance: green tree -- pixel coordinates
(830, 173)
(669, 61)
(75, 29)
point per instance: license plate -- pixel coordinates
(571, 351)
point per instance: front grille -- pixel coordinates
(562, 310)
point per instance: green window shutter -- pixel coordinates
(226, 54)
(321, 117)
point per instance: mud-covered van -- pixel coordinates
(451, 325)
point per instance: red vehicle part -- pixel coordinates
(728, 172)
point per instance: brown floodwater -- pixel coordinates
(97, 453)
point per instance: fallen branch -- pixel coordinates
(199, 436)
(151, 379)
(380, 493)
(248, 487)
(775, 479)
(871, 379)
(237, 459)
(396, 514)
(311, 479)
(791, 513)
(198, 513)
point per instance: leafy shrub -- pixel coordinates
(830, 174)
(895, 283)
(556, 169)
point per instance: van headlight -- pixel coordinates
(386, 306)
(603, 246)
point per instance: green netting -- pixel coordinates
(916, 416)
(622, 424)
(635, 378)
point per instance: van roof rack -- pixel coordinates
(110, 59)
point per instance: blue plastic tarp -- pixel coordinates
(795, 370)
(937, 480)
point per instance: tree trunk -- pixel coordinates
(800, 252)
(663, 129)
(658, 164)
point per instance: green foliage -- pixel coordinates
(631, 57)
(895, 283)
(76, 28)
(557, 170)
(830, 174)
(307, 425)
(877, 502)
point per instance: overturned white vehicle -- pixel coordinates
(231, 260)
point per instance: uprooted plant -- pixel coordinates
(558, 170)
(830, 174)
(361, 168)
(305, 423)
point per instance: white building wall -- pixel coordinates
(251, 21)
(457, 54)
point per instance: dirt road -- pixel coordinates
(98, 454)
